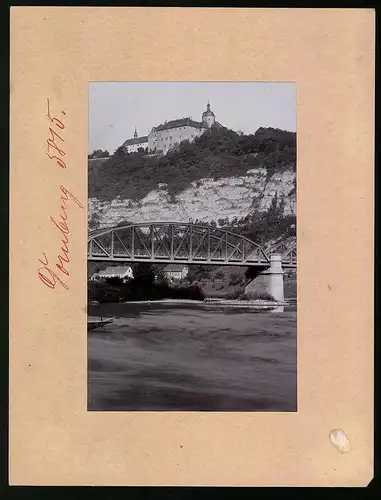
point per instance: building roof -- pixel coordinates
(208, 111)
(135, 140)
(111, 271)
(181, 122)
(174, 267)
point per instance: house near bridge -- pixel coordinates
(176, 271)
(122, 272)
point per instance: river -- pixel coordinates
(185, 357)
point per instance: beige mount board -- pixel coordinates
(55, 53)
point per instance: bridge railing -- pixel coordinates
(175, 242)
(182, 243)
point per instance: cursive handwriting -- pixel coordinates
(52, 144)
(48, 276)
(51, 275)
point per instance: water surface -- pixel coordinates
(161, 357)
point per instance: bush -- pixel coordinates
(104, 292)
(198, 272)
(141, 290)
(99, 153)
(219, 275)
(193, 292)
(261, 296)
(114, 280)
(237, 295)
(235, 279)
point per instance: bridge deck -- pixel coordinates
(156, 260)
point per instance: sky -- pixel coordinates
(115, 108)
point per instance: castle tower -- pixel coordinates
(208, 117)
(135, 133)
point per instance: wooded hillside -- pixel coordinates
(218, 153)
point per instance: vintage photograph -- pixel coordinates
(192, 257)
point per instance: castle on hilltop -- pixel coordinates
(170, 134)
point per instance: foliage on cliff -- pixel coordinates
(266, 226)
(218, 153)
(261, 227)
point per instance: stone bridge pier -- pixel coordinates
(268, 281)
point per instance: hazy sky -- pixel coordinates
(115, 108)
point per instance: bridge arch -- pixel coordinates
(174, 242)
(287, 251)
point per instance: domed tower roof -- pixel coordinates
(208, 111)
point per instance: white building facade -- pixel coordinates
(176, 271)
(133, 145)
(122, 272)
(170, 134)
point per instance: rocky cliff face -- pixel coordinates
(206, 200)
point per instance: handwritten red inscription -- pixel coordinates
(48, 276)
(52, 145)
(52, 276)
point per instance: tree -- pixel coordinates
(120, 152)
(144, 274)
(94, 221)
(124, 223)
(99, 153)
(160, 275)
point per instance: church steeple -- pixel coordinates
(135, 133)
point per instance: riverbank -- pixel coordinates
(212, 301)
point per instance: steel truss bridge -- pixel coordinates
(182, 243)
(288, 253)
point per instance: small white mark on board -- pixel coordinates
(339, 440)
